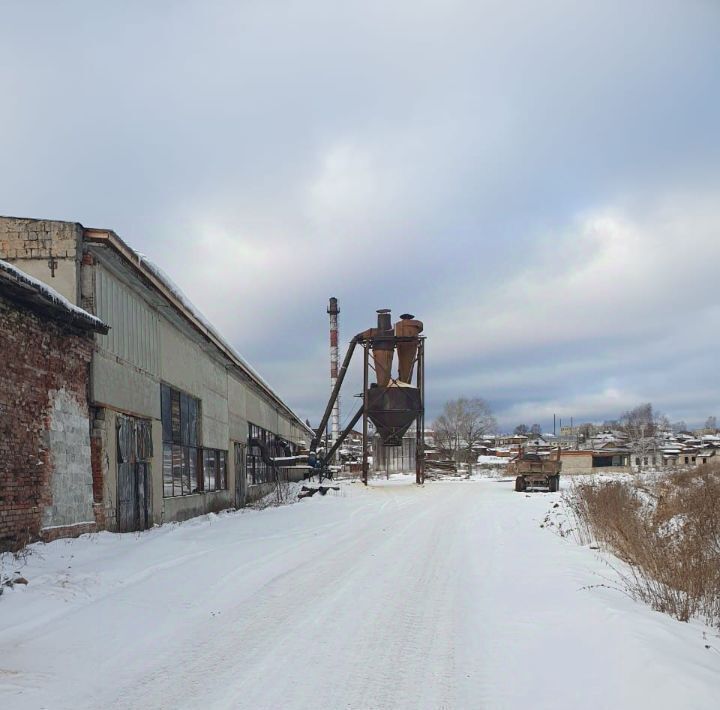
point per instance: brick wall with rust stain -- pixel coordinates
(40, 358)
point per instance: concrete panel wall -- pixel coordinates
(185, 507)
(261, 412)
(122, 386)
(133, 334)
(237, 409)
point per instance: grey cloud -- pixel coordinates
(434, 157)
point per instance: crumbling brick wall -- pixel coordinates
(46, 486)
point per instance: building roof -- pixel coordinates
(23, 288)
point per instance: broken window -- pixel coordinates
(261, 445)
(258, 471)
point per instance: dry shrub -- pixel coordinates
(667, 532)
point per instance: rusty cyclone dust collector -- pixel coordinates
(392, 404)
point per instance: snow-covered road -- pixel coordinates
(446, 596)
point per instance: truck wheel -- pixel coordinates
(519, 484)
(554, 484)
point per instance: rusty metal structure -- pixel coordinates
(392, 404)
(535, 471)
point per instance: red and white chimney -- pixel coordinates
(333, 310)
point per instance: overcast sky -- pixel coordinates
(538, 181)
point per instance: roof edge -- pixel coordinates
(110, 238)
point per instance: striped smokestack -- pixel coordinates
(333, 310)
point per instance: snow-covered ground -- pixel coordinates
(446, 596)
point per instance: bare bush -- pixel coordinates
(666, 531)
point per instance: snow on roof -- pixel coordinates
(50, 295)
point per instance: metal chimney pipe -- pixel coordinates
(384, 319)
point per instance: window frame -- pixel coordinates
(181, 419)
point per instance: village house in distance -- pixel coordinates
(171, 422)
(589, 449)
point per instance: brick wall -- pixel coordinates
(29, 244)
(34, 238)
(46, 487)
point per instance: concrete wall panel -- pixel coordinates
(124, 387)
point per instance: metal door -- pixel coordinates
(240, 478)
(133, 485)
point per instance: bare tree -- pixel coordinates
(641, 424)
(711, 423)
(521, 430)
(662, 423)
(641, 421)
(536, 430)
(678, 427)
(462, 425)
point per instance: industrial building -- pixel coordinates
(178, 420)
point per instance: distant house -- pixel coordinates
(705, 455)
(594, 461)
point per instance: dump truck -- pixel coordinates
(536, 471)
